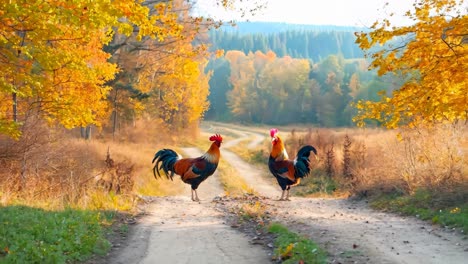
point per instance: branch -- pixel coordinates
(448, 45)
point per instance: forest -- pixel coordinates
(263, 88)
(263, 78)
(313, 44)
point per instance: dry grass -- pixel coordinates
(252, 209)
(382, 160)
(428, 158)
(233, 184)
(52, 168)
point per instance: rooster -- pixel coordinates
(288, 172)
(192, 171)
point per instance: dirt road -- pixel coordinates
(180, 231)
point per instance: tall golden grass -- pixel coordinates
(51, 167)
(382, 160)
(55, 168)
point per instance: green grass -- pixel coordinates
(293, 248)
(317, 184)
(437, 207)
(33, 235)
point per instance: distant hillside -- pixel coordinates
(275, 27)
(298, 41)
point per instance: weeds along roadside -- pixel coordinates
(422, 172)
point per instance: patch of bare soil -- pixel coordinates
(254, 227)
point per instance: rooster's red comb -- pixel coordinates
(216, 137)
(273, 132)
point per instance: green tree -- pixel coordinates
(219, 88)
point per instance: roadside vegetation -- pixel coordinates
(420, 172)
(34, 235)
(233, 184)
(292, 248)
(74, 193)
(448, 209)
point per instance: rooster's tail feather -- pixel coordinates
(302, 168)
(305, 151)
(165, 160)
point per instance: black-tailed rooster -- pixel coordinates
(192, 171)
(288, 172)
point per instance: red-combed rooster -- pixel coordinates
(288, 172)
(193, 171)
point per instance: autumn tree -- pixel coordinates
(267, 89)
(286, 99)
(171, 72)
(242, 76)
(430, 55)
(53, 62)
(159, 75)
(55, 55)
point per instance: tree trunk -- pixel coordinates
(85, 132)
(114, 116)
(88, 133)
(15, 83)
(15, 107)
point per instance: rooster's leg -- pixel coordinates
(282, 195)
(287, 195)
(195, 199)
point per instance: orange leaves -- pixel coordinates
(219, 53)
(429, 54)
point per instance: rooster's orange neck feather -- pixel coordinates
(278, 151)
(213, 153)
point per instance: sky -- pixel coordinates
(359, 13)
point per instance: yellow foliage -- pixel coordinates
(219, 53)
(430, 54)
(286, 253)
(53, 60)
